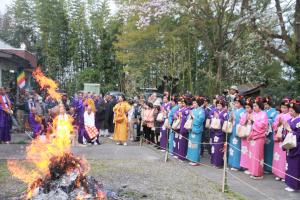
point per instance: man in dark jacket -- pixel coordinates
(101, 123)
(109, 114)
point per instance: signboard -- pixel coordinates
(92, 87)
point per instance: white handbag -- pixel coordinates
(207, 123)
(176, 124)
(290, 141)
(160, 117)
(189, 123)
(243, 131)
(215, 123)
(227, 127)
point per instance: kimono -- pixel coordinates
(5, 118)
(244, 161)
(279, 156)
(293, 157)
(163, 131)
(184, 134)
(218, 138)
(35, 123)
(89, 125)
(121, 122)
(269, 145)
(195, 136)
(234, 151)
(82, 134)
(171, 134)
(206, 133)
(257, 140)
(176, 133)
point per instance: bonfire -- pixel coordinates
(50, 170)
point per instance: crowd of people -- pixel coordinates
(261, 139)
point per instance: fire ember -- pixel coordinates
(67, 181)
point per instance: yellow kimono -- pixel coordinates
(121, 121)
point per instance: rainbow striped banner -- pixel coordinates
(21, 80)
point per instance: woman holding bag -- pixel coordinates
(293, 155)
(195, 136)
(165, 108)
(184, 133)
(269, 145)
(177, 118)
(234, 152)
(257, 138)
(279, 156)
(217, 119)
(244, 162)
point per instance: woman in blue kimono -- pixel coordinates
(218, 137)
(269, 145)
(195, 136)
(174, 108)
(234, 152)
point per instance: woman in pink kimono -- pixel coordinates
(244, 163)
(279, 156)
(257, 137)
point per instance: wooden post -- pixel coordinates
(224, 181)
(141, 140)
(167, 147)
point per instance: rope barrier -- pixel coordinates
(202, 164)
(297, 179)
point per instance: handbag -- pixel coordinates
(215, 123)
(227, 127)
(207, 123)
(160, 117)
(280, 132)
(166, 124)
(176, 124)
(189, 123)
(290, 141)
(243, 130)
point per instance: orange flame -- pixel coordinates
(40, 152)
(47, 83)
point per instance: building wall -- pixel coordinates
(5, 76)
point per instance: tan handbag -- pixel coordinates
(227, 127)
(215, 124)
(176, 124)
(189, 123)
(243, 131)
(279, 132)
(290, 141)
(166, 124)
(207, 123)
(160, 117)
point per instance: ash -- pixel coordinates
(67, 181)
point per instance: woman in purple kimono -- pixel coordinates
(177, 115)
(5, 117)
(184, 133)
(218, 137)
(165, 108)
(293, 155)
(35, 122)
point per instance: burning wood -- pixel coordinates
(54, 172)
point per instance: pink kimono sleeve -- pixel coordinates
(261, 125)
(276, 122)
(243, 119)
